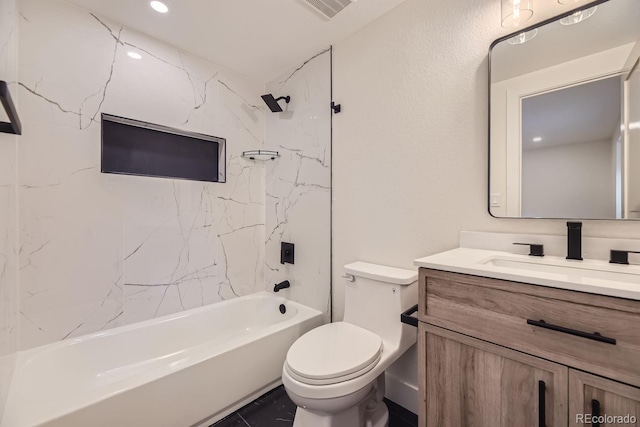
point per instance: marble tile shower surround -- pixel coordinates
(8, 207)
(298, 184)
(96, 250)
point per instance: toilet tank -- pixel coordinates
(376, 299)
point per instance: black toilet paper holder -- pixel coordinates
(407, 317)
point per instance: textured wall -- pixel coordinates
(298, 184)
(8, 205)
(410, 147)
(99, 250)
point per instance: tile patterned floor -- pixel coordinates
(275, 409)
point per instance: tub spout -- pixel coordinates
(281, 285)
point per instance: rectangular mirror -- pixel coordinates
(564, 137)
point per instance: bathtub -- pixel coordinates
(187, 369)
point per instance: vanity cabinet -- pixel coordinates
(500, 353)
(471, 382)
(590, 394)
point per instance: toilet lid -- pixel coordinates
(333, 350)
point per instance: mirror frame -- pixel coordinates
(493, 44)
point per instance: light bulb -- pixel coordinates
(516, 12)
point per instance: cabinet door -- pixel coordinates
(590, 395)
(472, 383)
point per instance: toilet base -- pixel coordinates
(370, 412)
(348, 418)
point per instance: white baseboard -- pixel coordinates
(401, 392)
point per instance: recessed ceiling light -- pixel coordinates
(158, 6)
(134, 55)
(537, 139)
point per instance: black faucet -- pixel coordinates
(620, 257)
(535, 249)
(282, 285)
(574, 240)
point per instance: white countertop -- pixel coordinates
(589, 275)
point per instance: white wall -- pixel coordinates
(99, 250)
(8, 205)
(410, 147)
(298, 184)
(569, 181)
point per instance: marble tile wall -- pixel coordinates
(99, 251)
(298, 184)
(8, 206)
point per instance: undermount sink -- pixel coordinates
(573, 269)
(590, 275)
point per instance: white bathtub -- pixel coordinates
(187, 369)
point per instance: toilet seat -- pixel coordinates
(333, 353)
(329, 381)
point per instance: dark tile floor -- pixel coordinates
(275, 409)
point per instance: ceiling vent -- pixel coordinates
(328, 8)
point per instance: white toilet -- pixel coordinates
(335, 373)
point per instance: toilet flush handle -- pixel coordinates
(349, 277)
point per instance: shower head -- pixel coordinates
(272, 102)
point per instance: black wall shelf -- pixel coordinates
(261, 154)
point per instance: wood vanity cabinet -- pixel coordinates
(591, 394)
(498, 353)
(474, 383)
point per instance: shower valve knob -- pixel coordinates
(287, 253)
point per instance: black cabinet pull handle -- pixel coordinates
(592, 336)
(407, 317)
(595, 413)
(14, 125)
(542, 406)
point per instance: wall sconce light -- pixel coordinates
(516, 12)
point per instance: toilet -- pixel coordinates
(335, 373)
